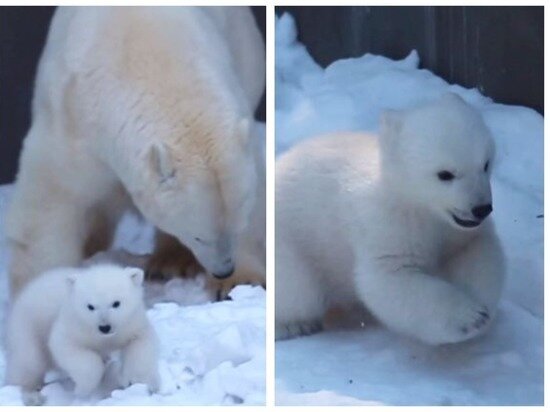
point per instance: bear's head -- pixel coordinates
(104, 298)
(203, 193)
(440, 155)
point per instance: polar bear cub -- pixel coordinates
(397, 222)
(73, 319)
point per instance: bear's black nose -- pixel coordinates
(105, 328)
(481, 212)
(226, 274)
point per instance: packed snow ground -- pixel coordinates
(212, 353)
(372, 365)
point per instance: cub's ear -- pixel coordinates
(391, 122)
(160, 162)
(136, 275)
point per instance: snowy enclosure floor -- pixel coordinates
(212, 353)
(373, 365)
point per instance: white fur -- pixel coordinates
(365, 218)
(51, 325)
(141, 107)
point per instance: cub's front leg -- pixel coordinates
(420, 305)
(140, 361)
(85, 367)
(480, 269)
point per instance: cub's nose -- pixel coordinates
(104, 328)
(482, 211)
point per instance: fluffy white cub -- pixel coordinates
(397, 222)
(73, 319)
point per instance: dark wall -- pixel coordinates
(499, 50)
(259, 15)
(23, 32)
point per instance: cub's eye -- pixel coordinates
(91, 307)
(116, 304)
(445, 175)
(486, 167)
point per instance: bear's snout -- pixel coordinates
(482, 211)
(104, 329)
(225, 273)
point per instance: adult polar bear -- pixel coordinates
(396, 223)
(146, 107)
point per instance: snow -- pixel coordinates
(212, 353)
(375, 366)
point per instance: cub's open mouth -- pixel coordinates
(465, 223)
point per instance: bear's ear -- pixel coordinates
(136, 275)
(391, 122)
(160, 162)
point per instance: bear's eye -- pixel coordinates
(202, 241)
(116, 304)
(486, 167)
(445, 175)
(91, 307)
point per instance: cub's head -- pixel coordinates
(202, 192)
(105, 297)
(441, 155)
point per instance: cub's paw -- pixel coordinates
(131, 375)
(33, 398)
(291, 330)
(476, 321)
(468, 320)
(222, 287)
(83, 389)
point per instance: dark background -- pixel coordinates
(499, 50)
(23, 32)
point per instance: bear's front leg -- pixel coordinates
(170, 258)
(420, 305)
(247, 272)
(480, 270)
(83, 366)
(52, 237)
(140, 361)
